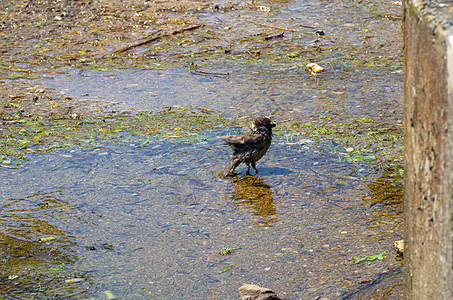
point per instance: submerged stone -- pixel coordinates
(255, 292)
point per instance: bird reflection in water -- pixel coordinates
(252, 192)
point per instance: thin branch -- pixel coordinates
(266, 35)
(289, 29)
(195, 72)
(121, 50)
(260, 35)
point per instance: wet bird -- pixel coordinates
(250, 147)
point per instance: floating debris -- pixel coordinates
(371, 257)
(46, 239)
(399, 246)
(109, 294)
(74, 280)
(314, 68)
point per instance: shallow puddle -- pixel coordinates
(150, 222)
(285, 92)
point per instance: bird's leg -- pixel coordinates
(248, 170)
(254, 167)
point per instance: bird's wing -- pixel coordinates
(248, 140)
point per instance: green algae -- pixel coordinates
(39, 134)
(368, 140)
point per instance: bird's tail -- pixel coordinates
(234, 163)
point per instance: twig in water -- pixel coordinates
(289, 29)
(208, 73)
(273, 36)
(155, 38)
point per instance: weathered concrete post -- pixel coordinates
(428, 125)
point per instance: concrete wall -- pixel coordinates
(428, 125)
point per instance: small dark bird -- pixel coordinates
(250, 147)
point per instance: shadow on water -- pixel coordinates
(38, 256)
(386, 199)
(384, 286)
(250, 192)
(386, 204)
(276, 171)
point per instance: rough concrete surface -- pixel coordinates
(428, 122)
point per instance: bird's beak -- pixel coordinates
(273, 125)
